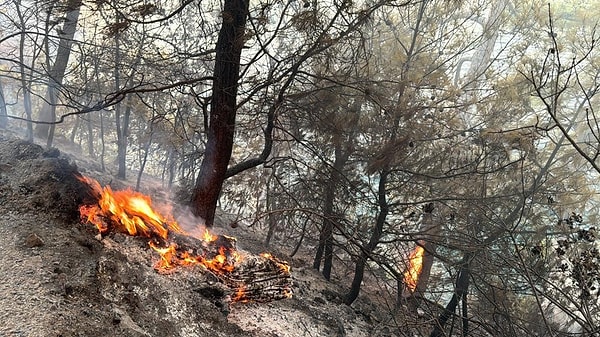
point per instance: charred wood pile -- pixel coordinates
(250, 278)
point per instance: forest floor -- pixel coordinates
(59, 278)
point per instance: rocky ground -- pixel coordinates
(58, 278)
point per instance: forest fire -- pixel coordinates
(132, 213)
(415, 266)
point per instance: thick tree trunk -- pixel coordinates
(222, 111)
(57, 73)
(326, 235)
(359, 269)
(423, 281)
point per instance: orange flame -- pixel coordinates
(130, 210)
(132, 213)
(167, 256)
(284, 266)
(415, 266)
(208, 236)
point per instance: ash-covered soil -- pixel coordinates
(59, 278)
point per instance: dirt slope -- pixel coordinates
(58, 278)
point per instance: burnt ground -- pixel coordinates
(59, 278)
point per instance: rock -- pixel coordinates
(121, 317)
(33, 240)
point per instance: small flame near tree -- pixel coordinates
(415, 266)
(132, 213)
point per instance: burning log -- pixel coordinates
(415, 267)
(420, 260)
(251, 278)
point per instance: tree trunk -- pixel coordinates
(359, 269)
(75, 129)
(28, 109)
(172, 165)
(272, 220)
(423, 281)
(122, 124)
(3, 112)
(102, 145)
(460, 294)
(90, 131)
(325, 248)
(57, 72)
(222, 111)
(144, 160)
(122, 121)
(101, 117)
(480, 60)
(430, 230)
(24, 84)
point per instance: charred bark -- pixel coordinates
(460, 294)
(359, 269)
(222, 111)
(266, 152)
(270, 207)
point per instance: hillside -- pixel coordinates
(60, 278)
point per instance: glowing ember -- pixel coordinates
(132, 213)
(240, 295)
(415, 266)
(281, 264)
